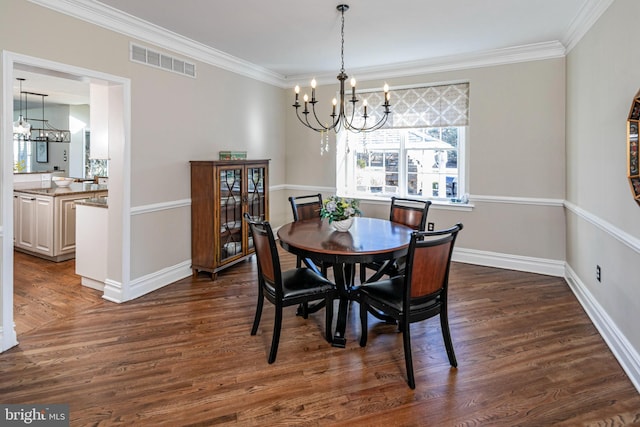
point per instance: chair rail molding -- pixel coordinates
(622, 236)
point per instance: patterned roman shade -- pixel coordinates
(429, 106)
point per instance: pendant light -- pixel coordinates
(46, 132)
(21, 127)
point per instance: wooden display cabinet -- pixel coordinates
(221, 192)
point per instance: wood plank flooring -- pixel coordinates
(183, 356)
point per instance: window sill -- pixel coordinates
(435, 204)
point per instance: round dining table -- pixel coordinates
(368, 240)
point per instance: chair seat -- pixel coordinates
(300, 281)
(389, 293)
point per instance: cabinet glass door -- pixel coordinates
(230, 213)
(255, 195)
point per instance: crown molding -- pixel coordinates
(112, 19)
(510, 55)
(584, 20)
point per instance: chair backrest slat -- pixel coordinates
(266, 251)
(428, 262)
(410, 212)
(429, 269)
(306, 207)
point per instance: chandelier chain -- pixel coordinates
(342, 46)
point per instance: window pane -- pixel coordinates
(429, 174)
(405, 162)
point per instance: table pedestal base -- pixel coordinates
(344, 275)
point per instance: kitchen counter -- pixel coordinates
(96, 202)
(49, 188)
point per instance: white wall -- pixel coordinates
(603, 220)
(515, 162)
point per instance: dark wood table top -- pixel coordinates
(368, 240)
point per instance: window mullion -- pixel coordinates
(402, 167)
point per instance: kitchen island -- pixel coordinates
(45, 217)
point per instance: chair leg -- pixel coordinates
(256, 319)
(277, 325)
(298, 262)
(408, 360)
(364, 312)
(328, 319)
(446, 335)
(363, 273)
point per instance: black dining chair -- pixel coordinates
(308, 207)
(410, 212)
(285, 288)
(418, 295)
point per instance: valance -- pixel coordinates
(426, 106)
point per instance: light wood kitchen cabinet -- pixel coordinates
(34, 228)
(45, 226)
(221, 192)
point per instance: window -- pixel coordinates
(22, 154)
(420, 153)
(93, 167)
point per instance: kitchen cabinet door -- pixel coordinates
(66, 225)
(35, 228)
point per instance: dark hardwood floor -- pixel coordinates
(183, 356)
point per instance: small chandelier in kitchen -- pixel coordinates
(46, 132)
(342, 118)
(21, 127)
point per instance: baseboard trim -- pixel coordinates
(154, 281)
(9, 339)
(510, 262)
(623, 351)
(113, 291)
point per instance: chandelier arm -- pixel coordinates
(305, 122)
(313, 108)
(375, 126)
(348, 123)
(364, 128)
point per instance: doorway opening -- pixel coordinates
(118, 115)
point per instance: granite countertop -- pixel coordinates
(49, 188)
(96, 202)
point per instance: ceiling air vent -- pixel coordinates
(160, 60)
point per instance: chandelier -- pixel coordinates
(46, 132)
(342, 118)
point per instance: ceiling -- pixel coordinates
(302, 37)
(296, 39)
